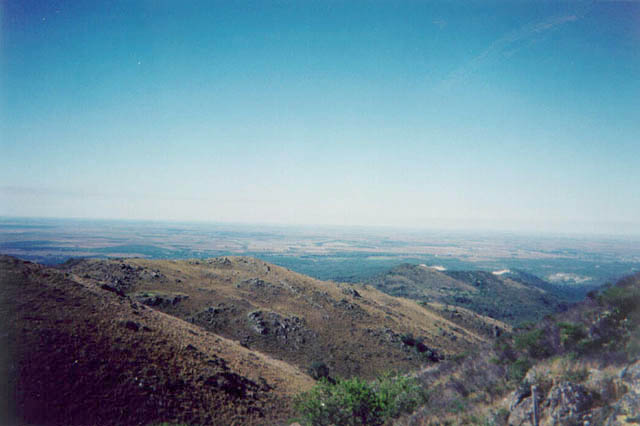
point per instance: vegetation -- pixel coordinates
(511, 298)
(571, 334)
(577, 375)
(532, 344)
(465, 383)
(358, 402)
(623, 301)
(519, 369)
(599, 333)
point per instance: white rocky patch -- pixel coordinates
(434, 267)
(567, 278)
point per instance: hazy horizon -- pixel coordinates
(517, 117)
(436, 227)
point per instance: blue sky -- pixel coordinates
(506, 115)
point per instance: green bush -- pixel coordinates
(358, 402)
(518, 369)
(532, 343)
(624, 301)
(633, 345)
(576, 375)
(571, 334)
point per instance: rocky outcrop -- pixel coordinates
(350, 291)
(257, 322)
(117, 277)
(213, 317)
(255, 284)
(565, 403)
(287, 331)
(608, 401)
(407, 343)
(160, 299)
(627, 409)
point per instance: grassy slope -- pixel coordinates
(590, 347)
(305, 320)
(78, 354)
(504, 298)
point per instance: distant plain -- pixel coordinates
(350, 254)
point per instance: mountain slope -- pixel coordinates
(292, 317)
(77, 353)
(507, 297)
(584, 364)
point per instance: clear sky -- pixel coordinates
(509, 115)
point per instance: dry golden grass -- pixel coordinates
(79, 354)
(353, 335)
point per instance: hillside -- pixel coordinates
(584, 364)
(77, 354)
(354, 330)
(229, 340)
(512, 297)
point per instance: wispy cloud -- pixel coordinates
(507, 46)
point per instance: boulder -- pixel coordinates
(627, 409)
(567, 403)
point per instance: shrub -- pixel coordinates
(519, 369)
(499, 417)
(358, 402)
(408, 339)
(504, 352)
(532, 343)
(623, 300)
(633, 345)
(571, 334)
(576, 375)
(525, 325)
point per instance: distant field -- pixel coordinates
(341, 254)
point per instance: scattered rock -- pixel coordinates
(350, 291)
(567, 402)
(159, 298)
(213, 317)
(627, 409)
(290, 331)
(257, 322)
(345, 304)
(231, 383)
(113, 289)
(220, 261)
(256, 284)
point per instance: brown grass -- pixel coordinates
(352, 335)
(78, 354)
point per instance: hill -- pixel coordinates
(510, 296)
(78, 354)
(582, 366)
(229, 340)
(353, 330)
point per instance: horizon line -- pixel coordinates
(451, 227)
